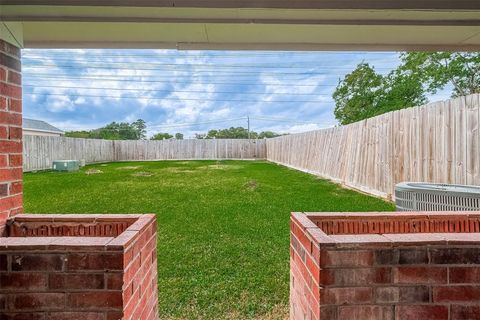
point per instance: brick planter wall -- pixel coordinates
(385, 266)
(89, 267)
(10, 132)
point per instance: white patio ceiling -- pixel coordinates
(227, 24)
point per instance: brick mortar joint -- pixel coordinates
(140, 269)
(317, 263)
(13, 84)
(307, 287)
(15, 58)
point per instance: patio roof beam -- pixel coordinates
(279, 4)
(265, 25)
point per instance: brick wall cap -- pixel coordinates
(306, 221)
(77, 217)
(141, 222)
(461, 238)
(80, 243)
(123, 240)
(416, 238)
(362, 215)
(401, 239)
(350, 240)
(320, 237)
(31, 243)
(312, 231)
(303, 220)
(55, 243)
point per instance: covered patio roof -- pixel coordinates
(244, 25)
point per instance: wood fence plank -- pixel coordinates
(40, 151)
(438, 142)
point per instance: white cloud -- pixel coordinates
(189, 87)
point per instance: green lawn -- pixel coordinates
(223, 227)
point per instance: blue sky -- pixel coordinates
(190, 91)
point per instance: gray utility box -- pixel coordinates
(66, 165)
(419, 196)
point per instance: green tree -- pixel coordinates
(140, 129)
(365, 93)
(268, 134)
(357, 95)
(78, 134)
(235, 133)
(401, 89)
(179, 136)
(437, 69)
(114, 131)
(161, 136)
(231, 133)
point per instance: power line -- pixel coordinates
(281, 120)
(215, 66)
(196, 123)
(171, 99)
(44, 76)
(26, 76)
(192, 124)
(166, 126)
(174, 91)
(309, 73)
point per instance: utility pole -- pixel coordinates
(248, 127)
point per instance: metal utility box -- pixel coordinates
(418, 196)
(66, 165)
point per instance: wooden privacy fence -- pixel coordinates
(39, 151)
(438, 142)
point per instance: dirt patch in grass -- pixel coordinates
(251, 185)
(182, 163)
(143, 174)
(93, 171)
(177, 170)
(129, 168)
(221, 167)
(279, 312)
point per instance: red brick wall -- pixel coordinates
(384, 276)
(45, 277)
(304, 273)
(83, 284)
(409, 282)
(10, 132)
(140, 278)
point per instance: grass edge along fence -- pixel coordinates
(437, 142)
(40, 151)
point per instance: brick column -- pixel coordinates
(10, 132)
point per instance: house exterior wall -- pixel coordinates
(10, 132)
(27, 132)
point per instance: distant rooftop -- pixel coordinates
(39, 125)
